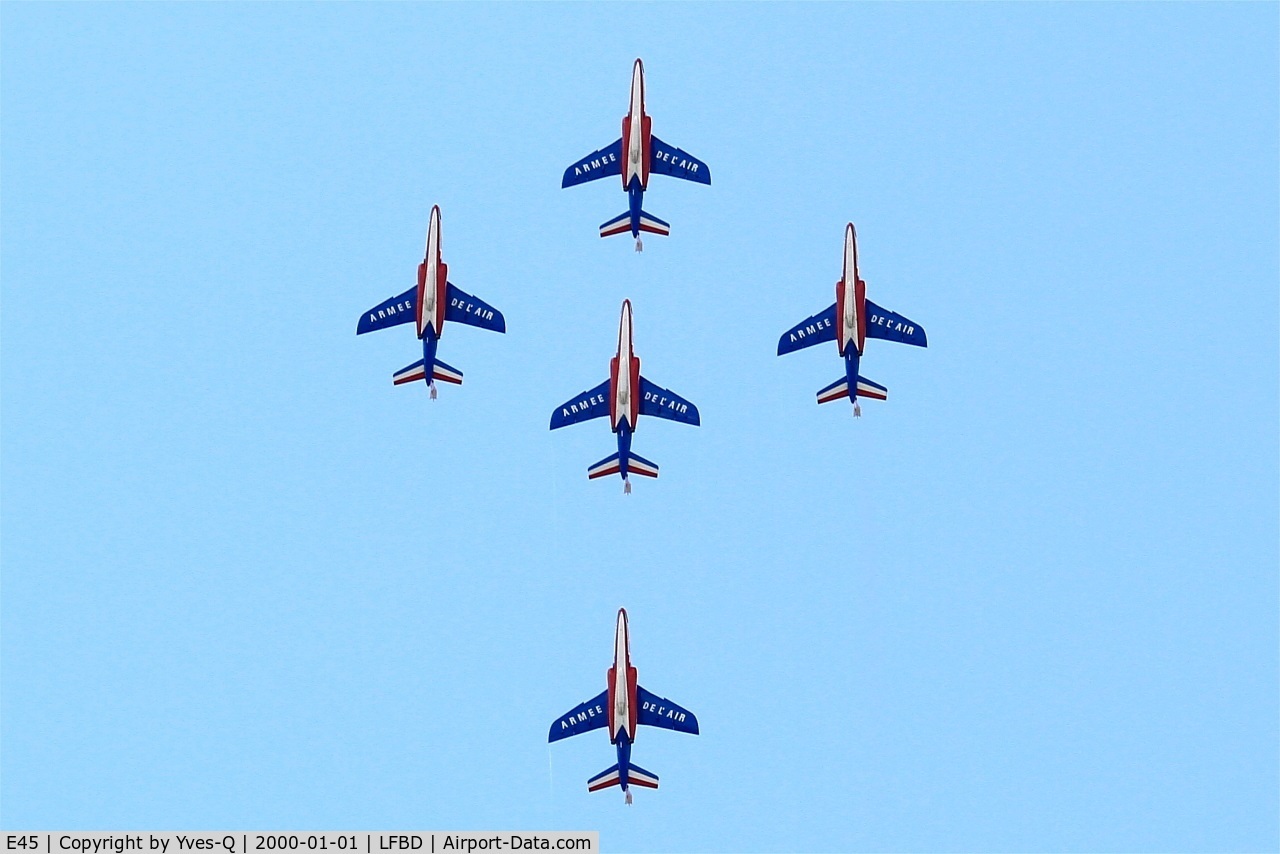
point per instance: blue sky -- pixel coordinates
(1028, 603)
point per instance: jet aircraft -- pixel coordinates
(622, 706)
(624, 397)
(430, 303)
(849, 322)
(634, 156)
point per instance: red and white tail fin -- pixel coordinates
(606, 778)
(416, 373)
(637, 776)
(875, 391)
(444, 373)
(839, 390)
(653, 225)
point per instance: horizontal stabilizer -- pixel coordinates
(840, 389)
(603, 780)
(583, 407)
(598, 164)
(666, 159)
(637, 776)
(653, 225)
(661, 712)
(812, 330)
(609, 465)
(583, 717)
(866, 388)
(392, 312)
(665, 403)
(835, 391)
(409, 374)
(888, 326)
(620, 224)
(415, 373)
(473, 311)
(443, 372)
(639, 465)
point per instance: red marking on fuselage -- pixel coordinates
(442, 293)
(859, 294)
(646, 132)
(632, 365)
(622, 660)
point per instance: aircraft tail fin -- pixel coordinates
(835, 391)
(612, 464)
(606, 778)
(621, 224)
(875, 391)
(410, 373)
(416, 373)
(609, 465)
(637, 776)
(840, 389)
(653, 225)
(441, 371)
(637, 464)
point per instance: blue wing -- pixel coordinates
(668, 160)
(598, 164)
(473, 311)
(661, 712)
(583, 717)
(812, 330)
(583, 407)
(392, 312)
(665, 403)
(892, 327)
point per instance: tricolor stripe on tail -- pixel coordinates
(636, 776)
(621, 224)
(840, 389)
(415, 372)
(612, 465)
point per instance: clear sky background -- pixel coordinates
(1029, 603)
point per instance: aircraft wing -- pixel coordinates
(390, 312)
(664, 403)
(583, 717)
(812, 330)
(583, 407)
(668, 160)
(473, 311)
(661, 712)
(598, 164)
(892, 327)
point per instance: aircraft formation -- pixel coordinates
(625, 394)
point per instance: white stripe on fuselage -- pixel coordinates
(430, 289)
(621, 696)
(622, 390)
(635, 140)
(849, 320)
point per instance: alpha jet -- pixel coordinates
(633, 156)
(623, 706)
(624, 397)
(849, 322)
(429, 304)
